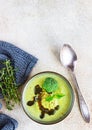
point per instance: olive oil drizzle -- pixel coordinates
(38, 98)
(45, 110)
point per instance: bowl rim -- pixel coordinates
(71, 105)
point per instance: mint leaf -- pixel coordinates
(58, 96)
(49, 98)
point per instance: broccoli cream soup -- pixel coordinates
(47, 98)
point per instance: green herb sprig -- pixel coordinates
(8, 85)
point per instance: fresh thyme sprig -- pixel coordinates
(8, 85)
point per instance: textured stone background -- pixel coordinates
(41, 27)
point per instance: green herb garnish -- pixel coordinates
(49, 98)
(57, 96)
(50, 85)
(8, 85)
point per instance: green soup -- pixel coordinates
(63, 103)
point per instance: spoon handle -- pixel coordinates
(82, 104)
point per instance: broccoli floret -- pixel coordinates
(50, 85)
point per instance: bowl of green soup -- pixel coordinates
(47, 98)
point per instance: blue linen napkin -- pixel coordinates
(7, 123)
(0, 105)
(23, 62)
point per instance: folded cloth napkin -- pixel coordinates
(21, 60)
(0, 105)
(7, 123)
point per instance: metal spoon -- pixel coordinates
(68, 58)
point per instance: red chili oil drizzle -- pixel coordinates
(38, 90)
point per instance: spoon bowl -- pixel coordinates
(68, 57)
